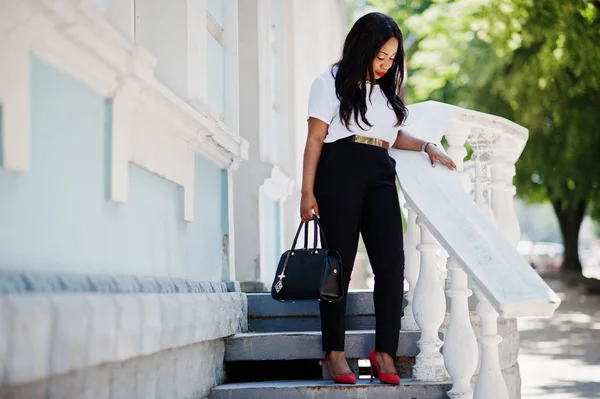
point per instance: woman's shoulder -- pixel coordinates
(328, 76)
(325, 81)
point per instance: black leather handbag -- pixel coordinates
(309, 273)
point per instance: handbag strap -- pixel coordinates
(305, 235)
(318, 229)
(297, 235)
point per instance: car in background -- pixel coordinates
(545, 257)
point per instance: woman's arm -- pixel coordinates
(317, 130)
(405, 141)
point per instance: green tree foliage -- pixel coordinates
(534, 62)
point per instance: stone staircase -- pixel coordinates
(280, 355)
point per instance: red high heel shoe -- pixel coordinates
(386, 378)
(341, 379)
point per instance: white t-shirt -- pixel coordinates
(323, 104)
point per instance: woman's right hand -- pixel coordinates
(308, 204)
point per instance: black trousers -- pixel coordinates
(356, 194)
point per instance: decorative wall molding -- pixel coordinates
(278, 186)
(152, 127)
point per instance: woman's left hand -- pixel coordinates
(436, 155)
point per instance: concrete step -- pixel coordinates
(328, 390)
(359, 303)
(267, 315)
(307, 345)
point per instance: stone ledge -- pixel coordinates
(307, 345)
(329, 390)
(43, 335)
(175, 374)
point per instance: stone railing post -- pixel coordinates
(499, 187)
(411, 267)
(456, 135)
(490, 382)
(460, 345)
(429, 307)
(461, 352)
(482, 142)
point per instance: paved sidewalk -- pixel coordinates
(560, 357)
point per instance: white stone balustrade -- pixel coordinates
(465, 227)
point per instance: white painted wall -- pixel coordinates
(319, 30)
(283, 47)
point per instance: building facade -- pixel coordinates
(150, 160)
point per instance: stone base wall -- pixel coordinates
(512, 377)
(180, 373)
(117, 343)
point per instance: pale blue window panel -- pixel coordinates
(216, 76)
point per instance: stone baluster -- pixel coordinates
(482, 142)
(411, 267)
(460, 345)
(461, 352)
(456, 135)
(429, 308)
(490, 382)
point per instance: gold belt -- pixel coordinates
(370, 141)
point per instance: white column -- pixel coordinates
(165, 35)
(411, 268)
(490, 383)
(198, 55)
(228, 273)
(429, 309)
(460, 344)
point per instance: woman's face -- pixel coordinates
(385, 58)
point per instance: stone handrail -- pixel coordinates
(479, 234)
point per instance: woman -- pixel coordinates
(349, 180)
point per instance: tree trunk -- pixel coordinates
(569, 219)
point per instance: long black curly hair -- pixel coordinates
(361, 46)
